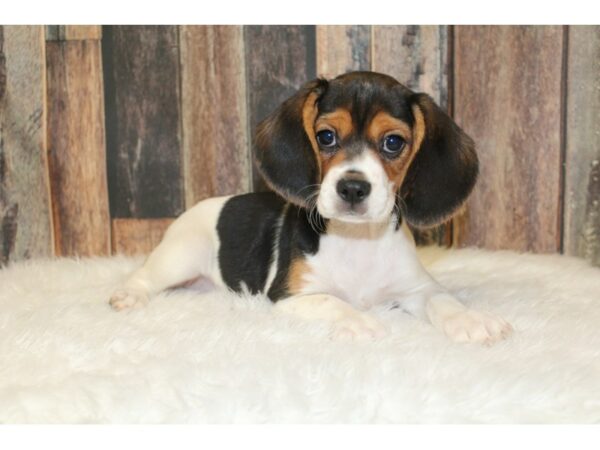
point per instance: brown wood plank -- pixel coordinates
(417, 56)
(342, 48)
(216, 150)
(79, 32)
(25, 214)
(508, 98)
(141, 68)
(138, 236)
(77, 149)
(582, 169)
(73, 32)
(279, 59)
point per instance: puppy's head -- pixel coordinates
(359, 144)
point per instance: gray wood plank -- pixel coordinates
(582, 166)
(143, 129)
(25, 213)
(417, 56)
(342, 48)
(279, 59)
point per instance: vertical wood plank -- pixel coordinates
(141, 73)
(52, 32)
(417, 56)
(77, 148)
(582, 168)
(79, 32)
(279, 59)
(73, 32)
(25, 214)
(215, 143)
(138, 236)
(342, 48)
(508, 98)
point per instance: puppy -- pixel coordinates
(350, 161)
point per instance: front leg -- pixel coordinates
(462, 324)
(346, 321)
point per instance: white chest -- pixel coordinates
(364, 264)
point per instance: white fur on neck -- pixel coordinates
(365, 264)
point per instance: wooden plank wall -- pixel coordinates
(143, 129)
(417, 55)
(514, 116)
(144, 121)
(279, 59)
(76, 146)
(25, 218)
(214, 112)
(582, 161)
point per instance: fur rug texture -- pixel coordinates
(189, 357)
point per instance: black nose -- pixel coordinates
(352, 190)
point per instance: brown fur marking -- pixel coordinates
(309, 115)
(339, 121)
(419, 128)
(298, 269)
(328, 161)
(384, 124)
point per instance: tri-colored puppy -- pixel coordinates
(350, 161)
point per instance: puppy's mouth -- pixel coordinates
(351, 213)
(357, 213)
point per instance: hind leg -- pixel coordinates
(175, 261)
(188, 250)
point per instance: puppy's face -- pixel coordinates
(359, 145)
(366, 133)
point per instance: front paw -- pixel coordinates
(127, 299)
(357, 326)
(475, 326)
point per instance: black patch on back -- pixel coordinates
(246, 229)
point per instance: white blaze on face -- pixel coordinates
(377, 207)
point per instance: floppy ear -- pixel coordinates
(286, 151)
(444, 169)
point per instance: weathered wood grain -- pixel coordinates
(77, 148)
(279, 59)
(25, 214)
(216, 149)
(508, 98)
(137, 236)
(141, 68)
(73, 32)
(582, 166)
(417, 56)
(342, 48)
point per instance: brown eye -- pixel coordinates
(326, 138)
(393, 144)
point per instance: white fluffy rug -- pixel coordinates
(65, 356)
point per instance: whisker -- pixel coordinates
(314, 219)
(400, 207)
